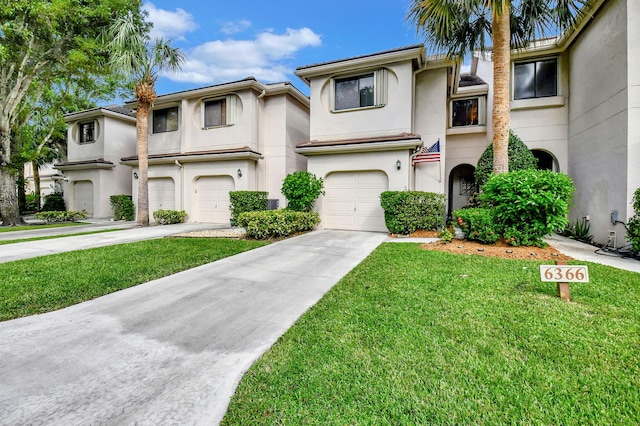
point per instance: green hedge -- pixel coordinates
(246, 201)
(634, 224)
(477, 224)
(122, 206)
(277, 223)
(520, 158)
(409, 211)
(54, 202)
(169, 217)
(57, 216)
(529, 204)
(301, 189)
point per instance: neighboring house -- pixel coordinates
(574, 103)
(96, 140)
(48, 178)
(206, 142)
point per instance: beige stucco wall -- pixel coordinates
(392, 118)
(599, 120)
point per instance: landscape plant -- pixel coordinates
(408, 211)
(301, 189)
(246, 201)
(528, 204)
(478, 224)
(122, 206)
(64, 216)
(520, 158)
(54, 202)
(277, 223)
(633, 224)
(169, 217)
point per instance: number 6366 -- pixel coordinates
(564, 273)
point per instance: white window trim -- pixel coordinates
(551, 100)
(232, 111)
(482, 114)
(380, 80)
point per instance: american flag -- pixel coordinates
(427, 155)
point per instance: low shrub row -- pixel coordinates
(246, 201)
(58, 216)
(277, 223)
(123, 208)
(169, 217)
(408, 211)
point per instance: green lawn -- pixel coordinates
(47, 283)
(423, 337)
(50, 237)
(32, 227)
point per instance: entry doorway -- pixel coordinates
(462, 185)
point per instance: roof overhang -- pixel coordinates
(373, 144)
(97, 112)
(197, 157)
(85, 165)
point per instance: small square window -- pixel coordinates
(468, 112)
(87, 132)
(537, 79)
(355, 92)
(165, 120)
(215, 113)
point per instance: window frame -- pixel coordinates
(379, 89)
(536, 61)
(230, 113)
(81, 133)
(165, 109)
(482, 111)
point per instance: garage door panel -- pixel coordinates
(162, 195)
(83, 196)
(212, 194)
(352, 200)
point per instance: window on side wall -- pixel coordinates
(165, 120)
(219, 112)
(468, 112)
(361, 91)
(87, 132)
(536, 79)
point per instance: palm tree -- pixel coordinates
(462, 26)
(133, 55)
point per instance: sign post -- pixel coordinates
(563, 274)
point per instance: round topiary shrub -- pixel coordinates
(520, 158)
(301, 189)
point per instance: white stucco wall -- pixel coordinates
(599, 120)
(633, 121)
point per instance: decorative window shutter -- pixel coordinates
(232, 110)
(381, 87)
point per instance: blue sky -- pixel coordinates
(230, 40)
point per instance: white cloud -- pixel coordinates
(229, 28)
(264, 57)
(167, 24)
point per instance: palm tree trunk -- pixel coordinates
(143, 162)
(501, 80)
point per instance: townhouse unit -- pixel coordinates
(206, 142)
(96, 141)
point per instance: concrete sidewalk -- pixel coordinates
(89, 225)
(171, 351)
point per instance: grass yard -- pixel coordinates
(423, 337)
(48, 283)
(50, 237)
(32, 227)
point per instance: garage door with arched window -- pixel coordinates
(352, 200)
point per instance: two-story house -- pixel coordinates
(96, 141)
(206, 142)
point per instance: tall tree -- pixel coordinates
(135, 56)
(41, 40)
(460, 27)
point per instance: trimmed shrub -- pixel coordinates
(54, 202)
(529, 204)
(246, 201)
(633, 225)
(169, 217)
(122, 206)
(277, 223)
(32, 202)
(520, 158)
(301, 189)
(477, 224)
(408, 211)
(57, 216)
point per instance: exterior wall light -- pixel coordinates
(398, 164)
(135, 175)
(239, 173)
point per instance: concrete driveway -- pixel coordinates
(171, 351)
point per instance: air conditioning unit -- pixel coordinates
(273, 203)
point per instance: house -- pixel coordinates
(574, 103)
(234, 136)
(96, 141)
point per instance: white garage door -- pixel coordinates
(352, 200)
(83, 196)
(212, 195)
(162, 195)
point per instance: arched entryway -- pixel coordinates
(462, 185)
(546, 160)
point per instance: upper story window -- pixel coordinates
(219, 112)
(87, 132)
(468, 112)
(536, 79)
(366, 90)
(165, 120)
